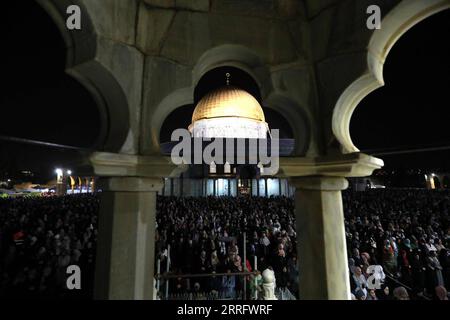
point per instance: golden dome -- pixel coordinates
(228, 101)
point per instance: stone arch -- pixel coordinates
(237, 56)
(170, 103)
(396, 23)
(181, 117)
(276, 120)
(216, 77)
(297, 117)
(81, 48)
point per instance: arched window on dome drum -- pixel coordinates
(227, 167)
(212, 167)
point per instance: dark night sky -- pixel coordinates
(39, 101)
(410, 110)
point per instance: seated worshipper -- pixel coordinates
(358, 281)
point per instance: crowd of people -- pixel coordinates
(400, 236)
(206, 236)
(406, 232)
(39, 238)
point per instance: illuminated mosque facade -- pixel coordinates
(233, 113)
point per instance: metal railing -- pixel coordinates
(220, 294)
(238, 295)
(241, 275)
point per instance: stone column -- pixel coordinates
(125, 247)
(321, 244)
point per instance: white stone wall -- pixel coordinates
(229, 127)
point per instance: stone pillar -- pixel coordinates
(321, 244)
(126, 239)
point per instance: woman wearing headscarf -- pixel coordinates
(389, 261)
(434, 271)
(358, 281)
(417, 272)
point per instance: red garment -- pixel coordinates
(249, 267)
(18, 235)
(405, 258)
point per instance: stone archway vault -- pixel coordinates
(396, 23)
(82, 65)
